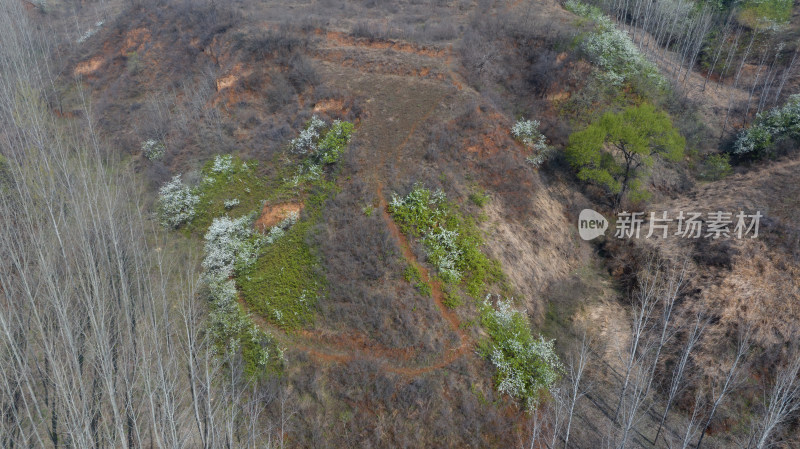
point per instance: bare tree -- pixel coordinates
(102, 334)
(730, 382)
(782, 401)
(576, 366)
(679, 372)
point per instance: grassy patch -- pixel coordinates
(283, 284)
(479, 198)
(221, 182)
(451, 297)
(766, 13)
(276, 273)
(414, 277)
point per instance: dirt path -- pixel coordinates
(330, 348)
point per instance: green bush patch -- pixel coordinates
(452, 242)
(276, 272)
(766, 13)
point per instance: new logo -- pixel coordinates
(591, 224)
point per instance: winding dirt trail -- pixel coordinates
(342, 349)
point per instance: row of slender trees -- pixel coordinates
(687, 35)
(629, 400)
(102, 340)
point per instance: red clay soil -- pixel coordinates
(274, 214)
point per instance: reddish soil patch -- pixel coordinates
(135, 40)
(89, 66)
(330, 105)
(272, 215)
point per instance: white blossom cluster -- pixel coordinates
(231, 243)
(230, 204)
(228, 243)
(224, 316)
(90, 32)
(767, 128)
(223, 164)
(526, 365)
(541, 157)
(612, 49)
(517, 382)
(280, 229)
(527, 132)
(153, 149)
(307, 172)
(306, 142)
(422, 207)
(420, 201)
(443, 252)
(230, 324)
(176, 203)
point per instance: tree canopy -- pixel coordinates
(615, 151)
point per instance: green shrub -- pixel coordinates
(452, 242)
(232, 331)
(478, 198)
(451, 297)
(335, 141)
(413, 276)
(716, 167)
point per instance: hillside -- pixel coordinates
(356, 224)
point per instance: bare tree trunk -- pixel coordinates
(679, 371)
(730, 382)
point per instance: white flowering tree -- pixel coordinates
(306, 142)
(613, 51)
(223, 164)
(153, 149)
(230, 243)
(527, 366)
(176, 203)
(527, 132)
(769, 128)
